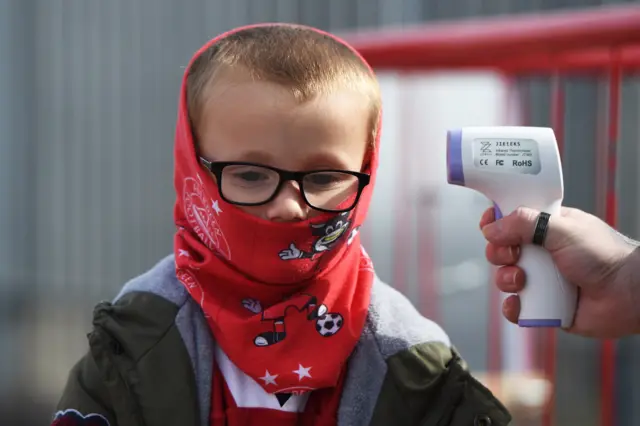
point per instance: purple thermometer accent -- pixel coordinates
(455, 172)
(496, 211)
(540, 323)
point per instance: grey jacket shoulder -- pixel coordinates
(397, 324)
(160, 280)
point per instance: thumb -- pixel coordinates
(518, 227)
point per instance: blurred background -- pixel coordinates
(88, 94)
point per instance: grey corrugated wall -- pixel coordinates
(88, 93)
(17, 182)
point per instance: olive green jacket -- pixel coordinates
(150, 363)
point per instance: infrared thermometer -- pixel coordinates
(513, 167)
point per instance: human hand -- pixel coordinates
(292, 252)
(601, 262)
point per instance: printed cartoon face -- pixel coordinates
(263, 123)
(330, 232)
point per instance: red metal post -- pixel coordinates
(494, 329)
(504, 40)
(608, 352)
(426, 249)
(550, 343)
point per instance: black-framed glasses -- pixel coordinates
(251, 184)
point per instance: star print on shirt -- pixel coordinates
(216, 207)
(302, 372)
(184, 253)
(269, 379)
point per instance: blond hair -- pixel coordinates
(299, 58)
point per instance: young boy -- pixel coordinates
(269, 311)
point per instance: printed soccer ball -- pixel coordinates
(329, 324)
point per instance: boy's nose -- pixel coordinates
(288, 206)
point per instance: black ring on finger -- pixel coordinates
(542, 225)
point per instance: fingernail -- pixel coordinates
(508, 278)
(514, 252)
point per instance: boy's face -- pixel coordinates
(261, 122)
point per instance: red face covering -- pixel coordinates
(285, 301)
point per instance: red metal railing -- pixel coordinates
(542, 42)
(602, 41)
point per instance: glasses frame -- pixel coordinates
(216, 168)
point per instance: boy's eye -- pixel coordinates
(326, 179)
(249, 175)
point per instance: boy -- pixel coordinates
(269, 311)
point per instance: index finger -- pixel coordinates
(487, 217)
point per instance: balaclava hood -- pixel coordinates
(286, 302)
